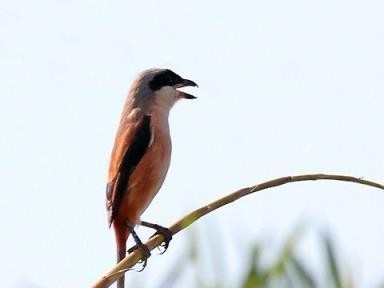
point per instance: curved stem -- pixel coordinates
(128, 262)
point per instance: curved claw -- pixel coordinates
(167, 234)
(146, 254)
(163, 247)
(144, 261)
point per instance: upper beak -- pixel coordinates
(186, 83)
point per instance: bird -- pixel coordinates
(141, 154)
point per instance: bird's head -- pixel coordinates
(167, 82)
(160, 86)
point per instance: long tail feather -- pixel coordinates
(122, 234)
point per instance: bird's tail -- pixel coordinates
(122, 234)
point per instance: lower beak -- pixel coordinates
(186, 83)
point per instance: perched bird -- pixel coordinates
(141, 154)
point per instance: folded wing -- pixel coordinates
(132, 141)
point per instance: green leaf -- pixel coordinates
(334, 273)
(255, 277)
(301, 273)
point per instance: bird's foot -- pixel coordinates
(166, 233)
(160, 230)
(146, 253)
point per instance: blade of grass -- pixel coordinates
(305, 278)
(334, 273)
(256, 277)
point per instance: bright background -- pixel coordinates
(286, 87)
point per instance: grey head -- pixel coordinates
(153, 83)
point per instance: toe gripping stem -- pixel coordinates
(139, 245)
(160, 230)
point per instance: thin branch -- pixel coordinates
(128, 262)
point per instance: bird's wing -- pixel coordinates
(132, 140)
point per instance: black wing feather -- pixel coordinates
(131, 158)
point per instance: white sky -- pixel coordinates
(286, 87)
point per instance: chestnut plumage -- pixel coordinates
(142, 150)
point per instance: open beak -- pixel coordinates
(186, 83)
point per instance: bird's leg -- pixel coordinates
(139, 244)
(167, 234)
